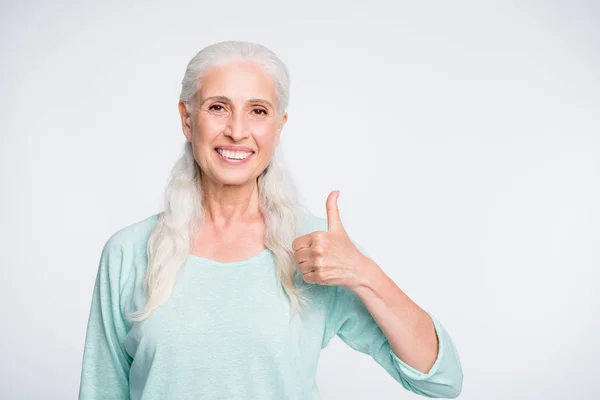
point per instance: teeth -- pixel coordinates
(234, 155)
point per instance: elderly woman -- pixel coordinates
(232, 291)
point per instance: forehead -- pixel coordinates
(238, 81)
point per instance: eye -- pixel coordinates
(260, 111)
(216, 107)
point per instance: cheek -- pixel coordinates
(206, 129)
(264, 133)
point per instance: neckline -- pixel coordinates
(213, 263)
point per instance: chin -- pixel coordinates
(235, 179)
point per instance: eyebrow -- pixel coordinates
(228, 100)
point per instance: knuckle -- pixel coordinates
(318, 249)
(319, 236)
(319, 261)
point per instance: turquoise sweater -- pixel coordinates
(224, 332)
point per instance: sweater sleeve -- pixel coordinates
(350, 320)
(105, 366)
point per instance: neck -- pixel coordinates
(225, 205)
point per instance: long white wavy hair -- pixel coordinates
(280, 203)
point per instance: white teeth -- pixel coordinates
(234, 155)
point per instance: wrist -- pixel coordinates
(369, 274)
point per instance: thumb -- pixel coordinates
(334, 222)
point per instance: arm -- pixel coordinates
(371, 314)
(408, 328)
(378, 319)
(420, 346)
(349, 318)
(105, 366)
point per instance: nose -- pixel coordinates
(237, 128)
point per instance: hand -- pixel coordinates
(330, 258)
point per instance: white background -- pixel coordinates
(464, 137)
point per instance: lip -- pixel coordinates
(235, 148)
(233, 162)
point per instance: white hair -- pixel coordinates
(279, 202)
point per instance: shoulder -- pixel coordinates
(126, 250)
(124, 254)
(131, 237)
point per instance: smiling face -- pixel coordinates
(235, 107)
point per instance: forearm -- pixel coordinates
(408, 328)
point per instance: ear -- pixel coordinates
(186, 121)
(282, 123)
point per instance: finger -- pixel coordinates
(302, 256)
(301, 242)
(306, 269)
(311, 277)
(334, 222)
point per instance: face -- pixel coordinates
(236, 106)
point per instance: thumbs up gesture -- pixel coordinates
(330, 258)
